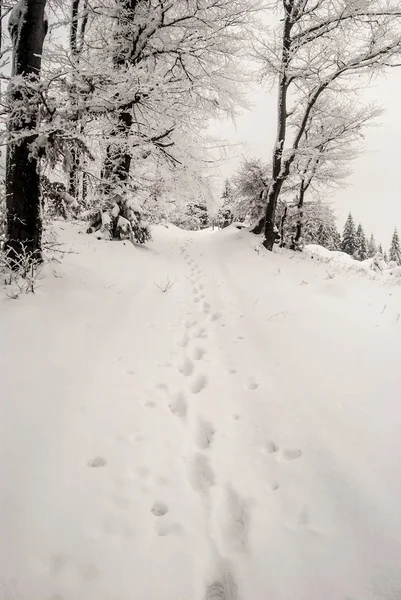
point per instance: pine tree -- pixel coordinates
(349, 241)
(380, 250)
(372, 248)
(225, 215)
(328, 236)
(395, 249)
(361, 252)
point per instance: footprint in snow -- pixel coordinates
(216, 316)
(159, 509)
(190, 323)
(204, 434)
(291, 454)
(198, 353)
(252, 385)
(271, 447)
(201, 476)
(235, 520)
(198, 384)
(288, 454)
(200, 333)
(178, 405)
(96, 462)
(206, 308)
(224, 586)
(186, 368)
(184, 341)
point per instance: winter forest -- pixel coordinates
(199, 374)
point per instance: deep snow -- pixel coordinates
(234, 438)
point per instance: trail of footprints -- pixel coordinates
(201, 477)
(234, 513)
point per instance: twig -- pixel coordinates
(283, 313)
(165, 287)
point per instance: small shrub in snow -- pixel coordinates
(119, 219)
(21, 272)
(59, 202)
(166, 286)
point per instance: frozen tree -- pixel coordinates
(372, 247)
(225, 215)
(395, 249)
(349, 241)
(249, 185)
(27, 27)
(328, 236)
(318, 225)
(180, 55)
(361, 251)
(326, 150)
(314, 54)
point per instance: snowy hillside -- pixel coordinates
(235, 437)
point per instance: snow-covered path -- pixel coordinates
(235, 438)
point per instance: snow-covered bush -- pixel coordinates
(58, 202)
(119, 218)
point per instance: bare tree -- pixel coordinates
(27, 26)
(320, 48)
(329, 144)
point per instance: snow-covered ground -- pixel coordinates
(236, 437)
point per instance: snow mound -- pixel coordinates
(374, 268)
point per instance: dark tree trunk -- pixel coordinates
(118, 160)
(277, 178)
(282, 225)
(272, 198)
(24, 220)
(79, 18)
(117, 163)
(260, 225)
(298, 230)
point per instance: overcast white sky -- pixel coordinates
(373, 193)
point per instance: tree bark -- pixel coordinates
(282, 225)
(79, 19)
(117, 163)
(295, 245)
(277, 179)
(23, 211)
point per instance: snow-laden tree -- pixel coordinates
(182, 57)
(136, 83)
(372, 247)
(225, 214)
(318, 225)
(395, 249)
(195, 216)
(349, 241)
(27, 26)
(313, 52)
(327, 148)
(249, 185)
(328, 236)
(361, 250)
